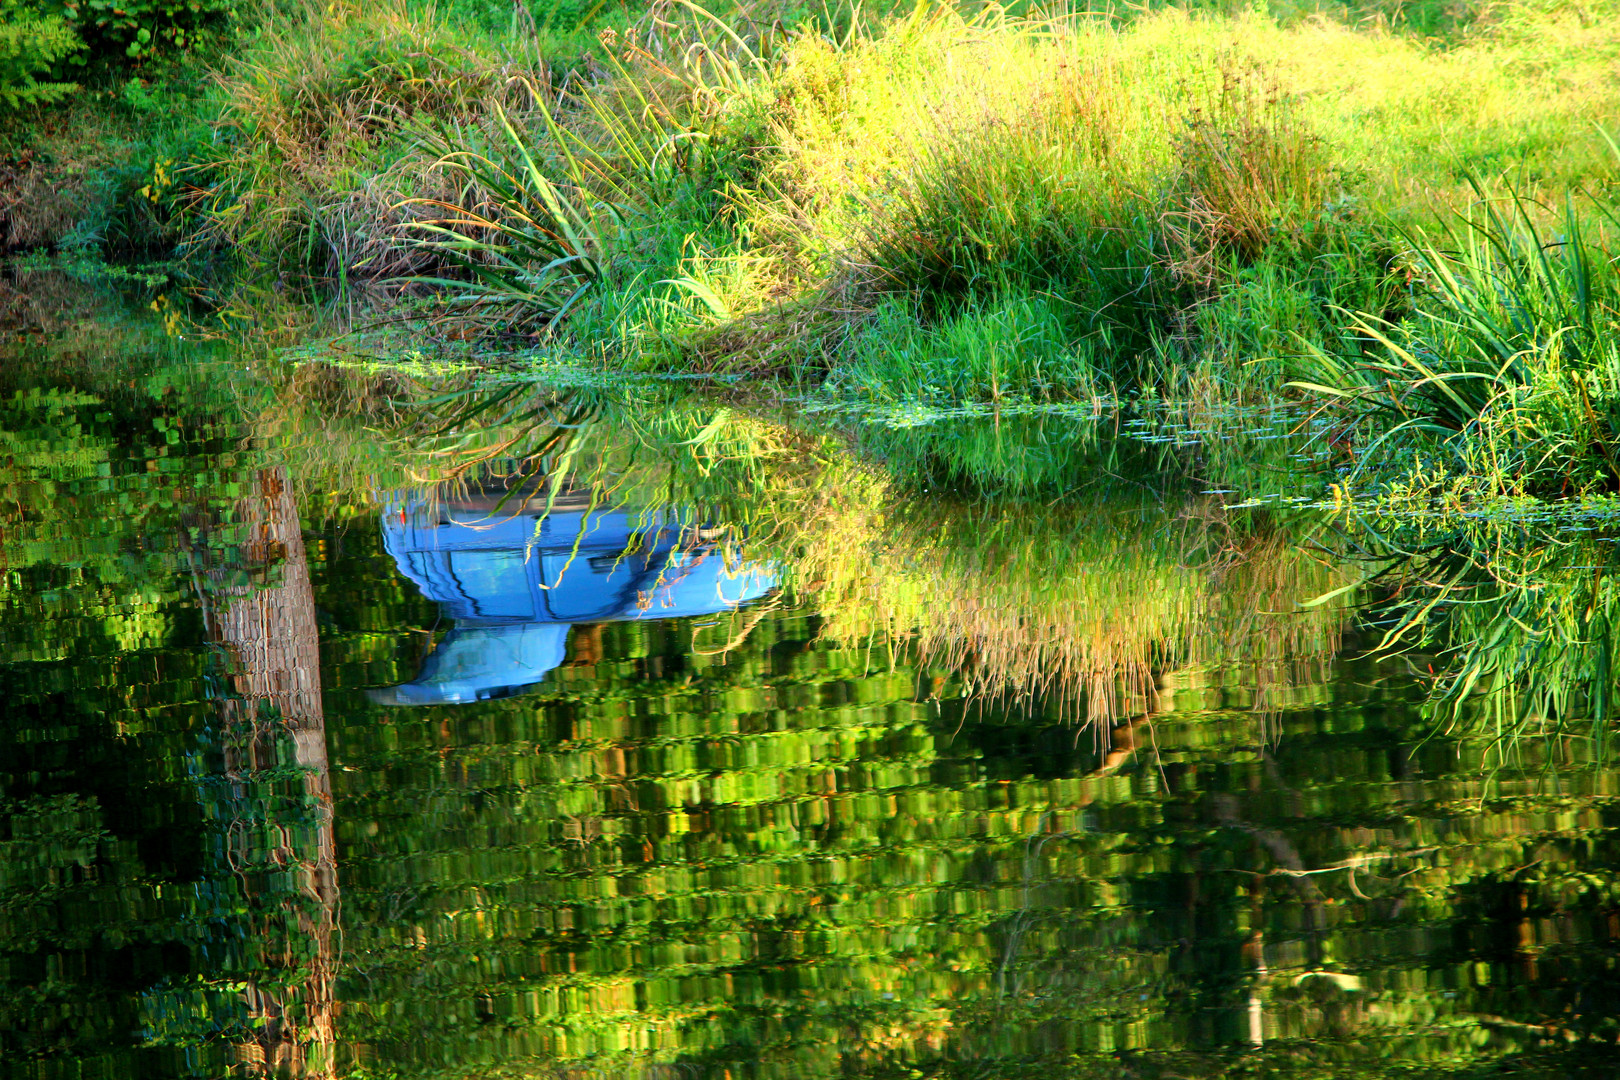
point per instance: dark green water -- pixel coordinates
(926, 782)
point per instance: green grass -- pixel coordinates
(1507, 368)
(978, 207)
(936, 205)
(990, 350)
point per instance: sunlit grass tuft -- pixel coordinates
(1061, 203)
(315, 156)
(988, 351)
(1510, 360)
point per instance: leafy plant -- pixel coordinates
(30, 45)
(132, 29)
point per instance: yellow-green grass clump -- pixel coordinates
(1170, 193)
(317, 129)
(1145, 173)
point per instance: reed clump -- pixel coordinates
(1507, 368)
(1251, 178)
(1159, 196)
(956, 206)
(530, 247)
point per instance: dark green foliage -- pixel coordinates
(134, 29)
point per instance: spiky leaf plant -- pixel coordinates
(1509, 359)
(531, 246)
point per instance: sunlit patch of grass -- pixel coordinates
(942, 205)
(989, 351)
(1137, 173)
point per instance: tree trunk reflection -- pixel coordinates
(268, 628)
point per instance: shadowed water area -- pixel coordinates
(367, 722)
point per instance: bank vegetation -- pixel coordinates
(1404, 213)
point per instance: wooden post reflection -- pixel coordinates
(269, 628)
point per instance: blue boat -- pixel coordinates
(515, 581)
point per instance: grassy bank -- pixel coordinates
(1401, 211)
(982, 207)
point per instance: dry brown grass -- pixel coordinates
(1251, 175)
(39, 204)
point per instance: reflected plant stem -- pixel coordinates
(1286, 855)
(1121, 744)
(586, 645)
(272, 635)
(1255, 948)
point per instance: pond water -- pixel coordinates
(390, 723)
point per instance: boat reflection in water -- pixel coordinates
(515, 579)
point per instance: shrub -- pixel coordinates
(132, 29)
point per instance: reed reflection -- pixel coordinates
(1511, 624)
(1079, 604)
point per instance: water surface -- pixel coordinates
(376, 724)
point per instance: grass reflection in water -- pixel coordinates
(857, 827)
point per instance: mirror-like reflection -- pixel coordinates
(350, 731)
(514, 582)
